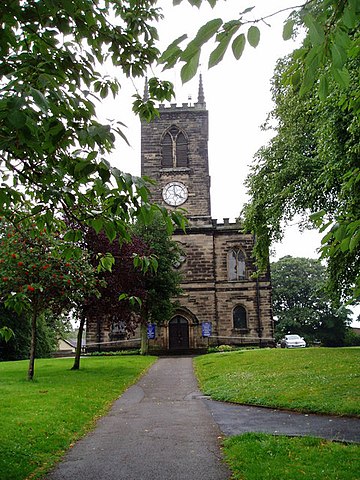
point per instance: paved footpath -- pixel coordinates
(237, 419)
(159, 429)
(163, 428)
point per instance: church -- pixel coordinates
(222, 302)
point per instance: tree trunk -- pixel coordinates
(144, 349)
(32, 345)
(76, 365)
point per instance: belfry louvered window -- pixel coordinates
(236, 265)
(174, 149)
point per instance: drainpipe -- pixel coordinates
(214, 223)
(260, 329)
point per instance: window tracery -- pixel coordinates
(174, 148)
(236, 265)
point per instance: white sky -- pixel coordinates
(238, 98)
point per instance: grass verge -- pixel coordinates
(41, 419)
(254, 456)
(319, 380)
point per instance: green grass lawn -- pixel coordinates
(41, 419)
(258, 456)
(322, 380)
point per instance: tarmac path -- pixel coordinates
(159, 429)
(163, 428)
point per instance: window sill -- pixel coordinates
(174, 170)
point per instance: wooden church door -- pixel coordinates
(178, 333)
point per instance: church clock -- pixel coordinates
(175, 193)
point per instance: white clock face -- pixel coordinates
(175, 194)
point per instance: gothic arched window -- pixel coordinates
(239, 318)
(236, 265)
(174, 148)
(167, 151)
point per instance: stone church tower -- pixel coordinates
(221, 302)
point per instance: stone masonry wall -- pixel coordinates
(194, 124)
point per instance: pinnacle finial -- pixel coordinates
(146, 90)
(201, 97)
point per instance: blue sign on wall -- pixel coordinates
(206, 328)
(151, 331)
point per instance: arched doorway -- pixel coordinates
(178, 333)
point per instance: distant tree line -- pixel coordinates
(302, 304)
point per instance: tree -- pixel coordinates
(323, 76)
(330, 25)
(18, 346)
(37, 278)
(302, 305)
(162, 284)
(52, 147)
(121, 287)
(310, 168)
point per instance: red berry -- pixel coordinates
(30, 288)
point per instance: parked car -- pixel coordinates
(292, 341)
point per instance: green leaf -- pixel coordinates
(39, 99)
(191, 50)
(238, 45)
(316, 32)
(323, 88)
(354, 241)
(110, 231)
(133, 300)
(17, 118)
(341, 77)
(37, 209)
(296, 79)
(288, 29)
(207, 31)
(6, 333)
(338, 55)
(350, 18)
(344, 245)
(308, 80)
(97, 224)
(172, 50)
(340, 232)
(253, 36)
(106, 263)
(218, 54)
(154, 263)
(189, 70)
